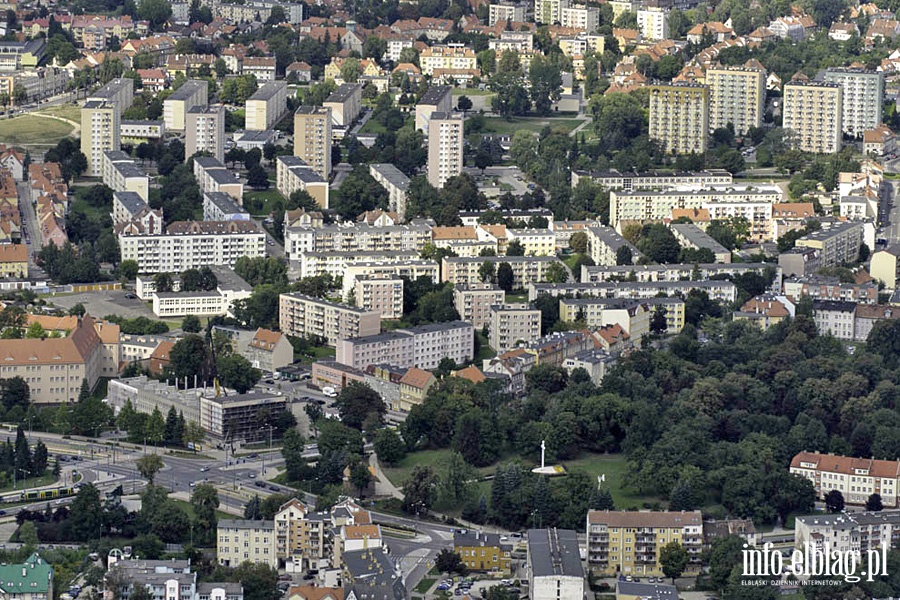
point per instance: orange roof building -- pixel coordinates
(855, 478)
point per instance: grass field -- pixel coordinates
(31, 131)
(535, 124)
(268, 198)
(424, 585)
(458, 91)
(66, 111)
(187, 508)
(373, 127)
(613, 466)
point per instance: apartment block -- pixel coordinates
(536, 242)
(549, 12)
(312, 138)
(193, 244)
(395, 182)
(130, 209)
(654, 180)
(585, 18)
(863, 98)
(836, 244)
(526, 269)
(393, 269)
(14, 261)
(302, 316)
(219, 206)
(813, 114)
(512, 324)
(438, 98)
(236, 417)
(653, 23)
(482, 552)
(119, 91)
(379, 293)
(240, 541)
(193, 92)
(451, 56)
(631, 315)
(147, 395)
(266, 106)
(99, 133)
(855, 478)
(737, 95)
(345, 103)
(421, 347)
(356, 237)
(122, 174)
(212, 176)
(605, 244)
(722, 201)
(445, 147)
(473, 302)
(628, 543)
(335, 263)
(204, 129)
(292, 174)
(860, 532)
(819, 287)
(501, 12)
(140, 131)
(679, 117)
(836, 318)
(691, 236)
(670, 273)
(54, 368)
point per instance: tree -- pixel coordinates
(292, 449)
(259, 580)
(834, 501)
(579, 242)
(515, 248)
(127, 270)
(624, 255)
(658, 322)
(85, 514)
(673, 558)
(360, 477)
(389, 447)
(546, 83)
(874, 503)
(557, 273)
(257, 178)
(251, 509)
(205, 501)
(191, 324)
(505, 277)
(419, 490)
(658, 243)
(448, 561)
(157, 12)
(463, 103)
(487, 271)
(189, 360)
(358, 403)
(14, 392)
(149, 465)
(236, 372)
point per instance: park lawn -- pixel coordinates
(43, 480)
(513, 298)
(32, 130)
(535, 124)
(424, 586)
(316, 353)
(66, 111)
(268, 197)
(458, 91)
(93, 213)
(373, 127)
(189, 510)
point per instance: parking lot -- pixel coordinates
(100, 304)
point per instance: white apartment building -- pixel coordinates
(511, 324)
(130, 208)
(501, 12)
(554, 565)
(302, 316)
(586, 18)
(99, 133)
(445, 147)
(849, 531)
(679, 117)
(724, 291)
(631, 315)
(355, 237)
(219, 206)
(604, 243)
(526, 269)
(345, 103)
(813, 113)
(549, 12)
(143, 130)
(653, 23)
(537, 242)
(855, 478)
(379, 293)
(240, 541)
(266, 106)
(292, 174)
(677, 272)
(212, 176)
(473, 302)
(863, 98)
(205, 131)
(312, 138)
(392, 267)
(194, 92)
(422, 347)
(737, 95)
(395, 182)
(312, 264)
(193, 244)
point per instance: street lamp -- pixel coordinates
(25, 487)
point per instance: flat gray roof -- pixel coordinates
(435, 94)
(554, 552)
(394, 175)
(223, 176)
(187, 89)
(344, 92)
(224, 202)
(268, 90)
(131, 201)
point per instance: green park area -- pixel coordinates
(33, 131)
(535, 124)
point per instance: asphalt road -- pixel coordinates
(892, 209)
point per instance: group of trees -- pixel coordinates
(191, 280)
(171, 430)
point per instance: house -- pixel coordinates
(481, 551)
(765, 311)
(14, 260)
(855, 478)
(312, 592)
(414, 386)
(301, 71)
(880, 141)
(159, 360)
(31, 580)
(269, 350)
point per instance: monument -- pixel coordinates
(544, 469)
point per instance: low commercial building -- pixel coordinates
(302, 316)
(473, 302)
(596, 363)
(629, 543)
(146, 395)
(236, 417)
(511, 325)
(142, 131)
(554, 565)
(421, 347)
